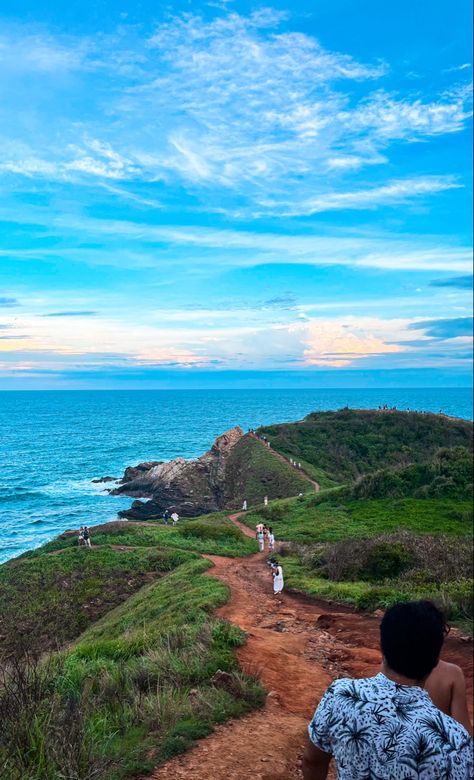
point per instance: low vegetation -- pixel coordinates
(211, 534)
(135, 690)
(49, 600)
(253, 472)
(349, 443)
(372, 553)
(331, 517)
(448, 474)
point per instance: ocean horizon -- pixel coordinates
(55, 442)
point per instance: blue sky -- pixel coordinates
(231, 187)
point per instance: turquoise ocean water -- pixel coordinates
(54, 443)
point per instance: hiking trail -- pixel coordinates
(280, 456)
(296, 646)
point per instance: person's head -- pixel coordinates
(411, 637)
(271, 530)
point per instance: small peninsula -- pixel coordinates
(126, 654)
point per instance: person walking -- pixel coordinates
(265, 501)
(175, 518)
(166, 515)
(80, 538)
(244, 505)
(261, 540)
(271, 540)
(278, 583)
(386, 726)
(86, 536)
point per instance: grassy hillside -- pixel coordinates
(212, 534)
(348, 443)
(374, 552)
(49, 600)
(136, 687)
(448, 474)
(253, 472)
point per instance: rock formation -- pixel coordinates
(191, 487)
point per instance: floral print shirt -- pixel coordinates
(378, 730)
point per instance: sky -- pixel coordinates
(223, 188)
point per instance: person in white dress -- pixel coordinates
(278, 583)
(244, 505)
(261, 541)
(265, 500)
(175, 517)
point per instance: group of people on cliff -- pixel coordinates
(84, 537)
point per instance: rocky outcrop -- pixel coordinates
(191, 487)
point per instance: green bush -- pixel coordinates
(386, 561)
(208, 531)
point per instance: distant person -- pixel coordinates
(166, 515)
(86, 536)
(265, 501)
(244, 505)
(261, 541)
(258, 528)
(80, 538)
(271, 540)
(387, 727)
(447, 689)
(175, 517)
(299, 465)
(277, 573)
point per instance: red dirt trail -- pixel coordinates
(296, 647)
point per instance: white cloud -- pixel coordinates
(391, 193)
(234, 105)
(337, 343)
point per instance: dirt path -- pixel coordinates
(296, 647)
(285, 460)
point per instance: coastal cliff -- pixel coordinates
(237, 466)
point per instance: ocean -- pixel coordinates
(54, 443)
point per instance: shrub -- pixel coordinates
(208, 531)
(387, 560)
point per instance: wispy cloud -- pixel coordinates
(6, 301)
(392, 193)
(234, 102)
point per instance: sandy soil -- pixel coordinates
(297, 647)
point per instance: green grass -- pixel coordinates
(223, 537)
(454, 596)
(349, 442)
(252, 472)
(134, 691)
(48, 600)
(314, 519)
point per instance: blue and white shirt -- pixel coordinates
(378, 730)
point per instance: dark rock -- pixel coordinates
(191, 487)
(105, 479)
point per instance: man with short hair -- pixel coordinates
(386, 727)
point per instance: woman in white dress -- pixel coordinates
(278, 583)
(261, 541)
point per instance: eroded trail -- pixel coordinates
(297, 648)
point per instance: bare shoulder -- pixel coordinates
(447, 671)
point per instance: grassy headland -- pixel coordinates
(345, 444)
(136, 686)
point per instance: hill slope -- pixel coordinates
(351, 442)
